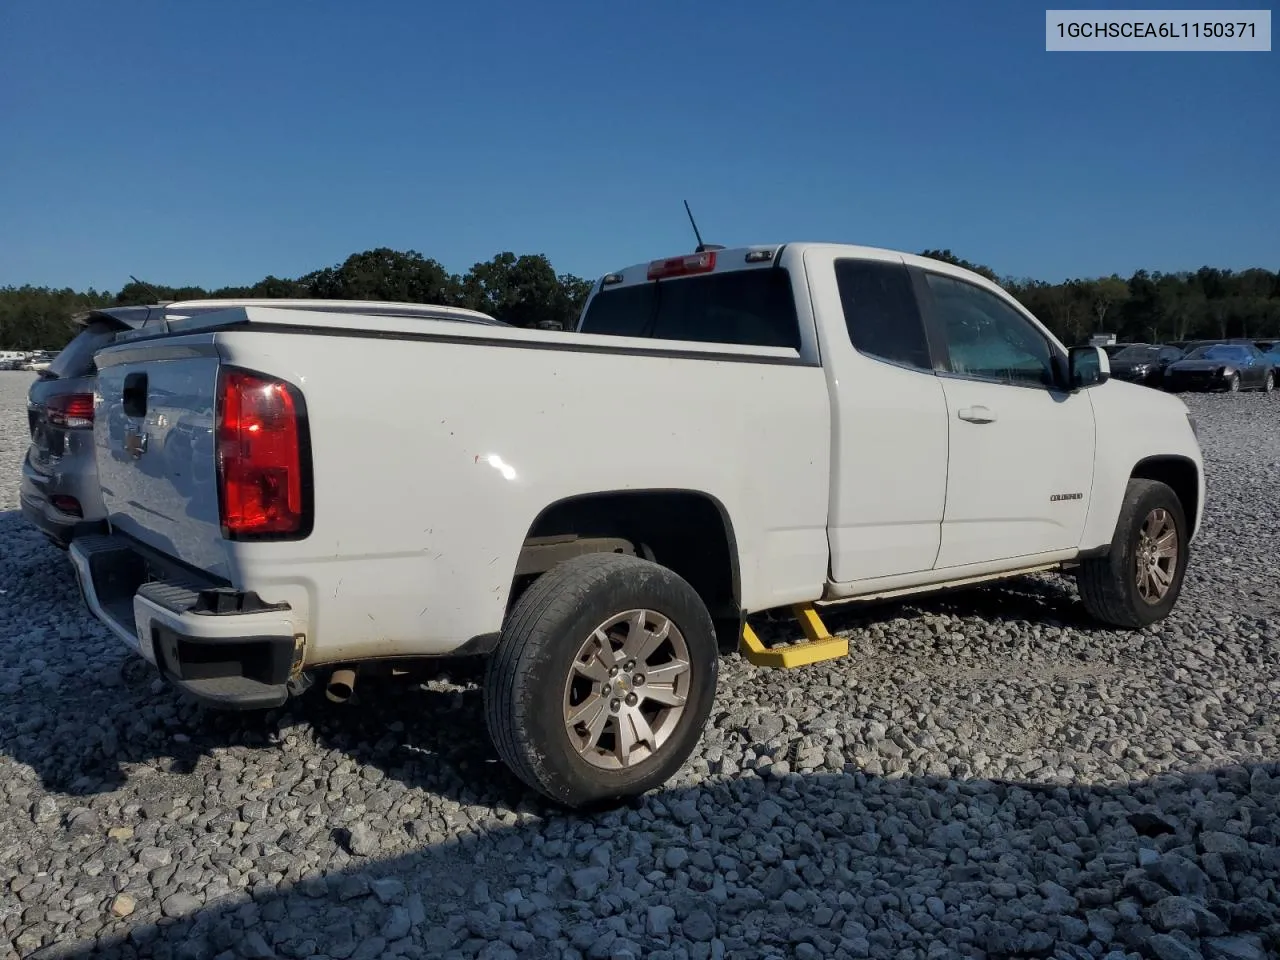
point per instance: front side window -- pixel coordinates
(880, 312)
(987, 338)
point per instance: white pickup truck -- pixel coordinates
(295, 494)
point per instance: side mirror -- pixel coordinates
(1087, 367)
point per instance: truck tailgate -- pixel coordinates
(156, 451)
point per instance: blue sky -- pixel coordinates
(214, 143)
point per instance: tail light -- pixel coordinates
(683, 266)
(71, 411)
(68, 505)
(261, 432)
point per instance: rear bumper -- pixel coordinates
(225, 648)
(61, 528)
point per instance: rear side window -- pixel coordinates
(880, 312)
(76, 358)
(748, 307)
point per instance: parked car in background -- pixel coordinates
(13, 359)
(59, 492)
(1222, 366)
(39, 361)
(1144, 363)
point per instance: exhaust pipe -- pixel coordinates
(341, 685)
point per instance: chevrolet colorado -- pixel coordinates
(597, 510)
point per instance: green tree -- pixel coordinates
(946, 256)
(1107, 292)
(386, 274)
(523, 291)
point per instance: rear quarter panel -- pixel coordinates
(431, 461)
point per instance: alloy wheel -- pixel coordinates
(626, 690)
(1157, 555)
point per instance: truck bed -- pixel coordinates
(433, 447)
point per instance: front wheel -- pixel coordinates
(1139, 580)
(1269, 382)
(1233, 383)
(603, 679)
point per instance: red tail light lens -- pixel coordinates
(683, 266)
(261, 490)
(71, 411)
(68, 505)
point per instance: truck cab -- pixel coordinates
(961, 442)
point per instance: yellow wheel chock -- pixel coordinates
(819, 645)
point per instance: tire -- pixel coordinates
(1109, 586)
(1269, 382)
(533, 684)
(1233, 383)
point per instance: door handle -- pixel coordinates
(977, 414)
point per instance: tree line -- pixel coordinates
(527, 292)
(1150, 306)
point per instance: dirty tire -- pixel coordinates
(526, 675)
(1108, 585)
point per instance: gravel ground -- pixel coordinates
(987, 775)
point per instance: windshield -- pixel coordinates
(751, 307)
(1219, 351)
(1142, 354)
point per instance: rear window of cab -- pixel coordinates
(747, 307)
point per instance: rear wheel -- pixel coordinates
(1139, 581)
(603, 679)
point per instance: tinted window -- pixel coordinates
(1170, 354)
(76, 358)
(621, 311)
(880, 312)
(987, 338)
(1137, 354)
(751, 307)
(1220, 351)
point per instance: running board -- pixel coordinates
(940, 586)
(819, 644)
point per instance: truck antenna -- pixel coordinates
(155, 295)
(154, 292)
(702, 247)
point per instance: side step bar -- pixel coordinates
(819, 644)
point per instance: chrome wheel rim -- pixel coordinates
(1234, 384)
(1157, 558)
(1270, 383)
(627, 689)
